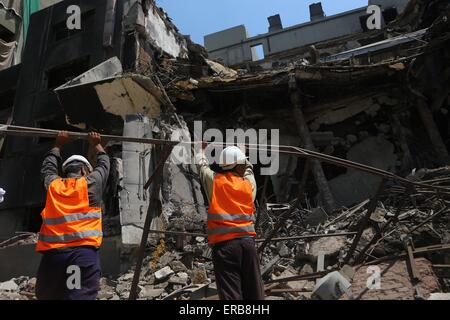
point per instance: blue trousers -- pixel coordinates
(71, 275)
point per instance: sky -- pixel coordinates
(201, 17)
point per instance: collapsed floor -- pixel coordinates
(308, 245)
(383, 104)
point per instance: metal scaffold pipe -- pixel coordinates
(10, 130)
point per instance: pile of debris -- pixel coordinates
(389, 232)
(167, 274)
(402, 233)
(22, 288)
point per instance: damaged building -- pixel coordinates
(378, 98)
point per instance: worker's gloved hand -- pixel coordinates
(62, 138)
(94, 138)
(95, 141)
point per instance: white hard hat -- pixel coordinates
(77, 158)
(2, 193)
(230, 157)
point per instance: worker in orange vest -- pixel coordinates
(231, 231)
(71, 231)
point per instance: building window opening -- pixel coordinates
(258, 52)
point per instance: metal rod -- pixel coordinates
(282, 149)
(310, 276)
(312, 236)
(80, 136)
(305, 237)
(442, 211)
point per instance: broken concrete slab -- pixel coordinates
(395, 282)
(9, 286)
(439, 296)
(283, 250)
(200, 239)
(340, 113)
(148, 292)
(177, 266)
(180, 278)
(269, 266)
(331, 287)
(306, 269)
(108, 92)
(166, 259)
(123, 288)
(329, 246)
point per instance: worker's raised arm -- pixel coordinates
(50, 165)
(101, 171)
(205, 172)
(250, 176)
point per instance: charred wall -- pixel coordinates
(53, 55)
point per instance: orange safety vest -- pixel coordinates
(231, 211)
(68, 220)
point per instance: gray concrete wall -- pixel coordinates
(134, 200)
(164, 37)
(286, 39)
(226, 37)
(222, 45)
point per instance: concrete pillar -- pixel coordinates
(433, 133)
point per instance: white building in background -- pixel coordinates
(233, 46)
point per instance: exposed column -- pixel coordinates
(316, 167)
(433, 133)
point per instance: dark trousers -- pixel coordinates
(58, 272)
(236, 266)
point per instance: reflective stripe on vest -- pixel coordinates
(73, 217)
(70, 236)
(250, 228)
(230, 213)
(67, 219)
(231, 217)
